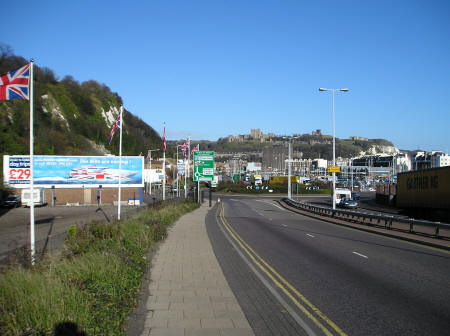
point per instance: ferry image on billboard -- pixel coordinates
(100, 174)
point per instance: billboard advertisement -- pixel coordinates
(73, 171)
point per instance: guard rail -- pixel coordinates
(377, 219)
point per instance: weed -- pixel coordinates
(93, 288)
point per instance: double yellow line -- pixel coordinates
(328, 327)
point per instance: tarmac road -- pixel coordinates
(358, 283)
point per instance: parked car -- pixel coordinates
(356, 195)
(12, 201)
(348, 203)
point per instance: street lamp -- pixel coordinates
(150, 167)
(334, 143)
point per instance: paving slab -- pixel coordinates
(189, 294)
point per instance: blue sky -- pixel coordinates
(214, 68)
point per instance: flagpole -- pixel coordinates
(198, 179)
(186, 177)
(120, 160)
(164, 164)
(32, 233)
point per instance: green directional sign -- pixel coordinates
(203, 166)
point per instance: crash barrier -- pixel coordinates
(432, 229)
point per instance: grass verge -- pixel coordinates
(93, 287)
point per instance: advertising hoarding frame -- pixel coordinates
(16, 170)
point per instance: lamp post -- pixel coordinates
(150, 162)
(334, 144)
(289, 170)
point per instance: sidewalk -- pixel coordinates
(188, 291)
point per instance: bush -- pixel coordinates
(94, 286)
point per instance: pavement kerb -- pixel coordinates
(188, 292)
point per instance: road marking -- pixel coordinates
(284, 225)
(232, 240)
(361, 255)
(282, 283)
(310, 235)
(276, 205)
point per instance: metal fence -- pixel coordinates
(432, 229)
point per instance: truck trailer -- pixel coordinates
(425, 193)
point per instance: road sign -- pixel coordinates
(181, 168)
(236, 178)
(203, 166)
(334, 169)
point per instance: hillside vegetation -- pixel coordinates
(70, 118)
(310, 146)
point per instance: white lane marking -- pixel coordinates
(310, 235)
(361, 255)
(276, 205)
(284, 225)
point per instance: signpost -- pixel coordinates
(332, 169)
(203, 168)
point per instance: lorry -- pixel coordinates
(257, 179)
(39, 197)
(342, 193)
(424, 193)
(215, 181)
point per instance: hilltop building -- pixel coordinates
(354, 138)
(255, 134)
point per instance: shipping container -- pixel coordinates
(428, 188)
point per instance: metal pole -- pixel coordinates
(32, 234)
(164, 176)
(289, 170)
(173, 178)
(164, 166)
(334, 158)
(150, 157)
(351, 166)
(178, 193)
(120, 161)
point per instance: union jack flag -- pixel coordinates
(196, 148)
(185, 147)
(14, 84)
(164, 138)
(115, 127)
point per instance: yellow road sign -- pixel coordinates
(334, 169)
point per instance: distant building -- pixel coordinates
(317, 132)
(433, 159)
(256, 133)
(275, 157)
(254, 166)
(319, 164)
(301, 167)
(354, 138)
